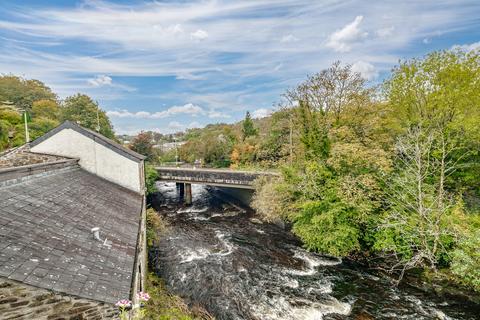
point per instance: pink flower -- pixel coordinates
(124, 303)
(143, 296)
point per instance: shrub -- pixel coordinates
(151, 176)
(466, 261)
(155, 226)
(270, 198)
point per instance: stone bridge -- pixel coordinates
(215, 177)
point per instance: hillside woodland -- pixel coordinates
(44, 111)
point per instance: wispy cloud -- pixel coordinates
(199, 35)
(188, 108)
(261, 113)
(468, 47)
(367, 70)
(343, 39)
(227, 57)
(289, 38)
(100, 81)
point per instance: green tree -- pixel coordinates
(435, 100)
(214, 144)
(333, 190)
(47, 109)
(277, 145)
(22, 92)
(248, 127)
(314, 137)
(440, 93)
(83, 110)
(466, 261)
(143, 144)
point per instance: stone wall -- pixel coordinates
(14, 175)
(22, 156)
(19, 301)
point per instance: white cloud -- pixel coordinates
(385, 32)
(215, 114)
(343, 39)
(175, 125)
(367, 70)
(100, 81)
(289, 38)
(467, 47)
(194, 124)
(188, 108)
(278, 67)
(261, 113)
(199, 35)
(253, 59)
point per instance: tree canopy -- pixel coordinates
(46, 112)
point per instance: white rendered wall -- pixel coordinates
(94, 158)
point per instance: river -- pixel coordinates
(218, 255)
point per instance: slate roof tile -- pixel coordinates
(46, 239)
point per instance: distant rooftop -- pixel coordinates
(46, 235)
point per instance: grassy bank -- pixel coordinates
(164, 305)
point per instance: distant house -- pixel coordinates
(168, 146)
(72, 226)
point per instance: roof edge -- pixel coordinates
(14, 175)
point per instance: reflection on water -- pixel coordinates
(220, 257)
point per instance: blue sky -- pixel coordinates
(171, 65)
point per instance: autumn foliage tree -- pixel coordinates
(143, 144)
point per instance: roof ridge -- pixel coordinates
(109, 143)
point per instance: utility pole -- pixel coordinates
(176, 151)
(290, 141)
(25, 119)
(98, 122)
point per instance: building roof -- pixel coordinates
(21, 156)
(46, 238)
(112, 145)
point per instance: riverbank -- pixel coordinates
(441, 283)
(236, 266)
(163, 304)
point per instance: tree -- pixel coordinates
(214, 144)
(330, 91)
(48, 109)
(466, 261)
(440, 93)
(276, 147)
(313, 135)
(422, 221)
(248, 127)
(22, 92)
(333, 191)
(83, 110)
(143, 144)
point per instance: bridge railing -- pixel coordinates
(232, 178)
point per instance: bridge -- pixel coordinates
(184, 177)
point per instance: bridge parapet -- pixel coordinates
(216, 177)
